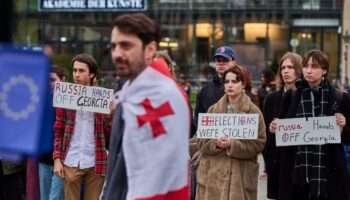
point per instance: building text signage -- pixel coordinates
(92, 5)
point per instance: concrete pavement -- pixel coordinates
(262, 184)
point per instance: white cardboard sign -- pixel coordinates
(80, 97)
(235, 126)
(314, 131)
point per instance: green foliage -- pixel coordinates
(192, 97)
(27, 5)
(63, 60)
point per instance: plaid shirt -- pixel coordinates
(64, 129)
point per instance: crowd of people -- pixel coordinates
(114, 156)
(226, 167)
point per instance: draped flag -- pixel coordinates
(155, 141)
(24, 103)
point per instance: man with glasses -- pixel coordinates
(224, 58)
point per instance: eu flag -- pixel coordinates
(25, 111)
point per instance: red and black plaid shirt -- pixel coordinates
(64, 129)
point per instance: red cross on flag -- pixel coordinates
(207, 121)
(155, 141)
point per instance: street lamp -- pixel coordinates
(346, 38)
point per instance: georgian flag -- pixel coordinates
(155, 141)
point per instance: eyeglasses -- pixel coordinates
(222, 60)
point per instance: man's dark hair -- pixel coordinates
(60, 72)
(318, 57)
(268, 75)
(140, 25)
(90, 61)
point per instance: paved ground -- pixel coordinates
(262, 183)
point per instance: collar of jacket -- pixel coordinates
(217, 79)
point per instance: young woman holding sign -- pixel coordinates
(314, 171)
(228, 168)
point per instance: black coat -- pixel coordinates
(262, 92)
(116, 180)
(337, 177)
(271, 110)
(208, 96)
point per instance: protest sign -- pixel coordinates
(313, 131)
(81, 97)
(235, 126)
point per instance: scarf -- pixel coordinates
(310, 163)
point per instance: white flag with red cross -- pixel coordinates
(155, 141)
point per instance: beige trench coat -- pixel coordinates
(230, 174)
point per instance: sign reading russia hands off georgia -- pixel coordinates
(311, 131)
(81, 97)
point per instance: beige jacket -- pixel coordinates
(230, 174)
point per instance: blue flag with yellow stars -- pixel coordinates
(25, 103)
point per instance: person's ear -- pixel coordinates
(234, 63)
(150, 50)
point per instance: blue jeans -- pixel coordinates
(51, 186)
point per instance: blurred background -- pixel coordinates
(260, 31)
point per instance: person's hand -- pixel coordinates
(273, 126)
(112, 107)
(223, 142)
(58, 168)
(341, 120)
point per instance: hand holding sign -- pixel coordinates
(223, 142)
(340, 119)
(112, 107)
(273, 126)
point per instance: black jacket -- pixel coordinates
(262, 92)
(116, 186)
(337, 177)
(271, 110)
(209, 95)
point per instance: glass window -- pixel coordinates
(59, 32)
(87, 33)
(308, 39)
(325, 39)
(330, 47)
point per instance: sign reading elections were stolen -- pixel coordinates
(81, 97)
(92, 5)
(235, 126)
(314, 131)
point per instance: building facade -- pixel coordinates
(260, 31)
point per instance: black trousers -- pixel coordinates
(302, 192)
(12, 187)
